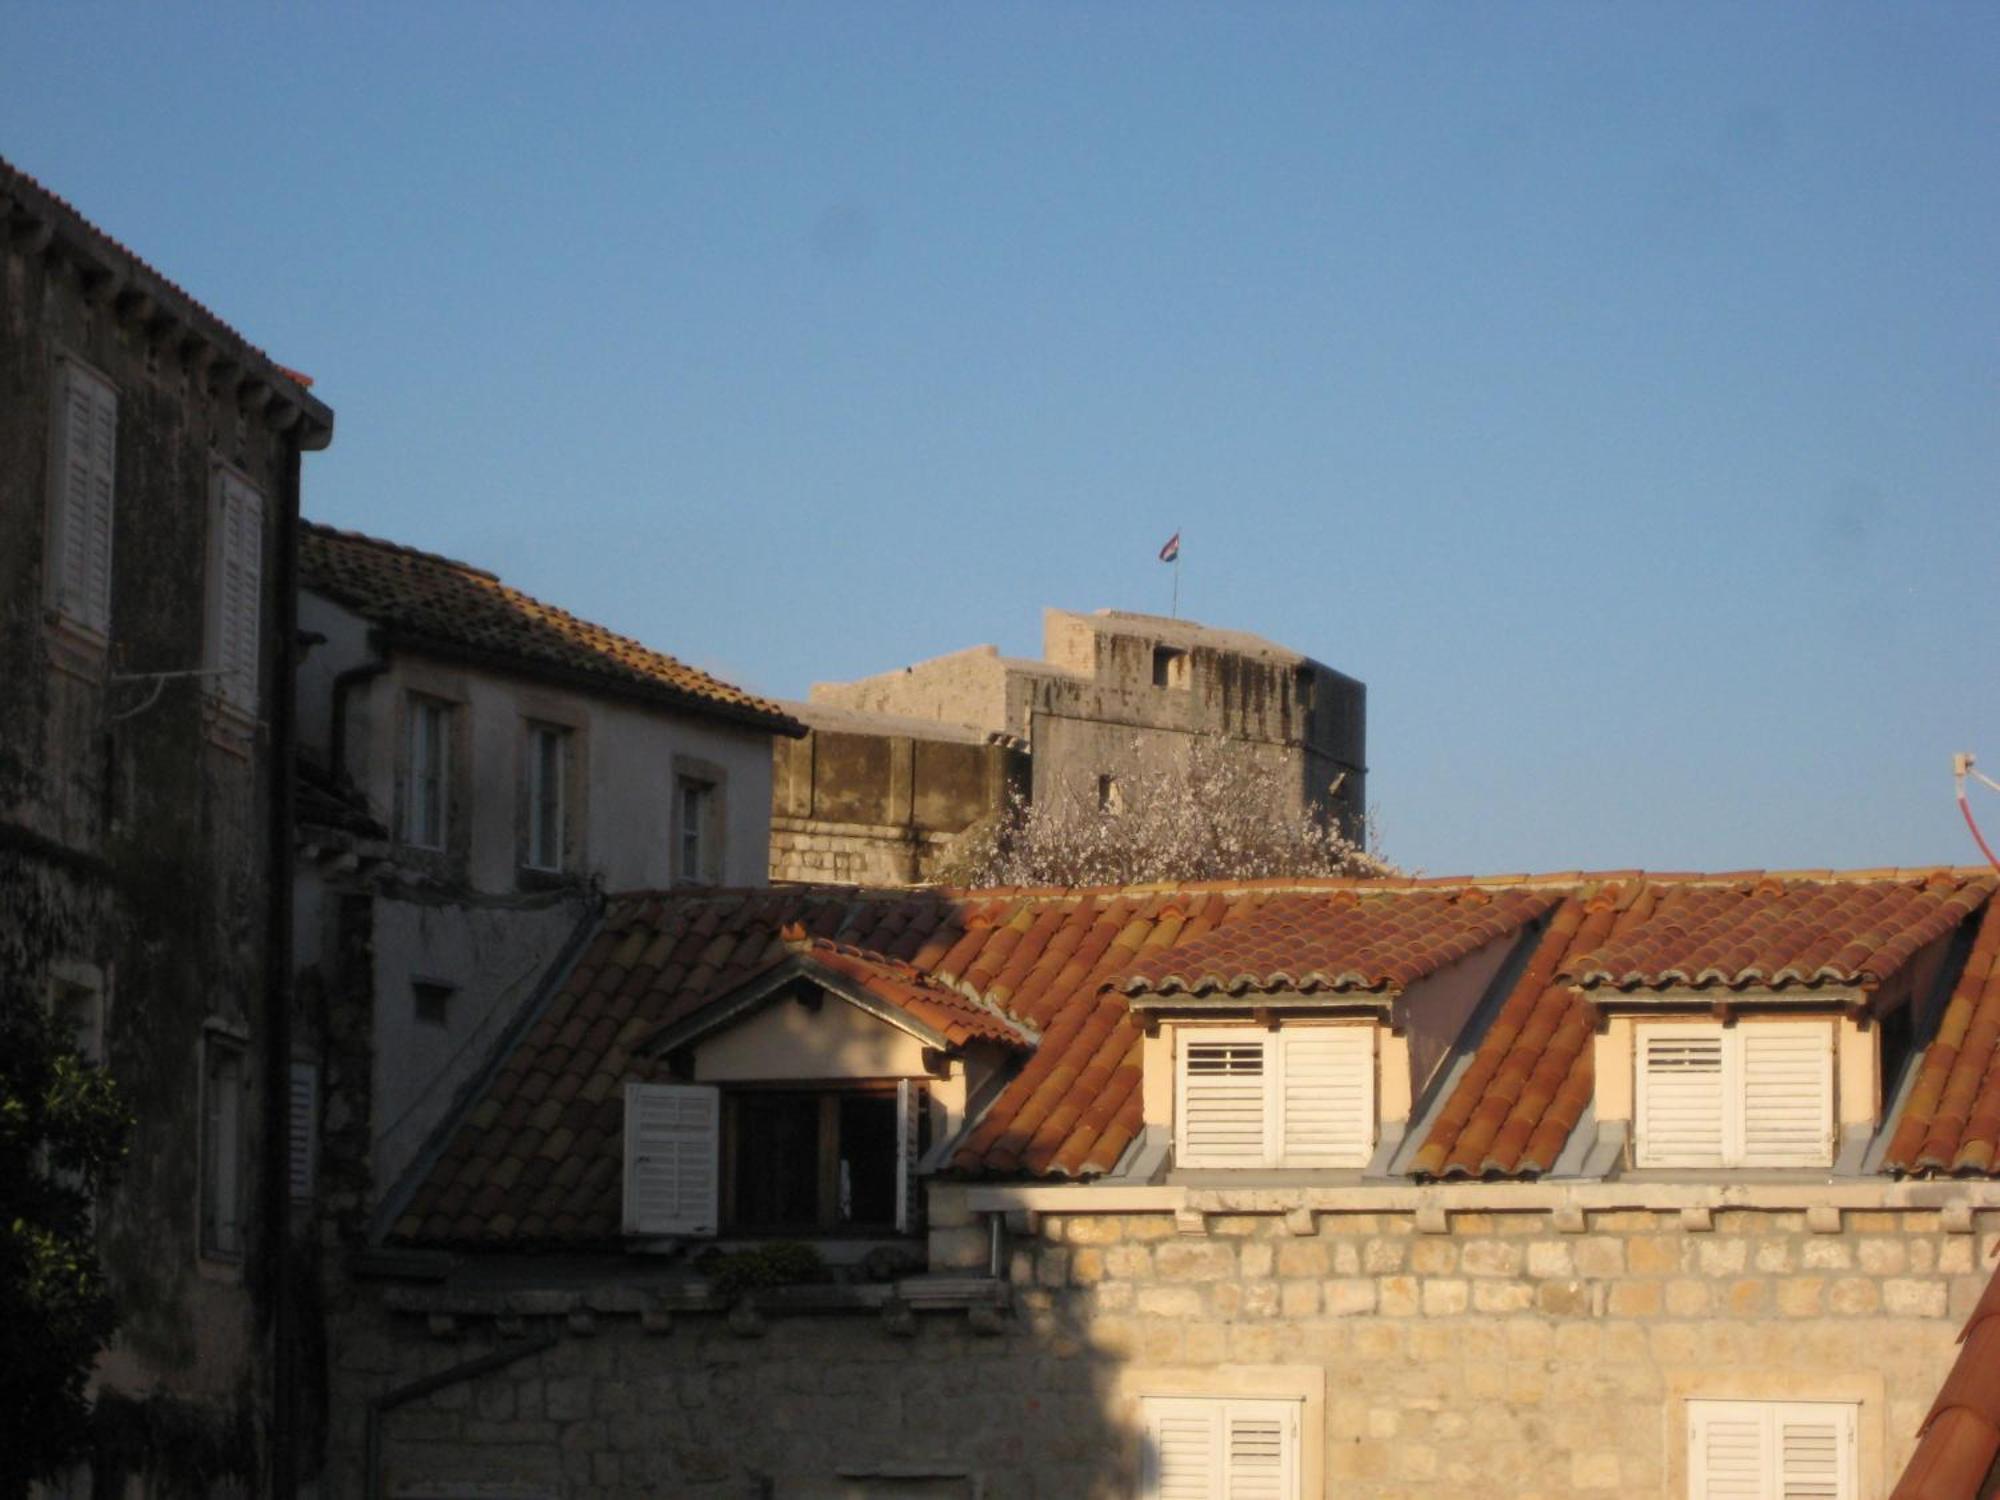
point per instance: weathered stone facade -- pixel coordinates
(868, 799)
(1118, 696)
(1523, 1351)
(142, 822)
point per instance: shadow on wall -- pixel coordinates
(847, 1406)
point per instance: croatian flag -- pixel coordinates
(1172, 551)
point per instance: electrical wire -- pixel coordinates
(1961, 767)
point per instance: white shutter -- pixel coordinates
(1183, 1454)
(1220, 1450)
(1771, 1450)
(1787, 1094)
(1222, 1112)
(672, 1135)
(1683, 1097)
(1815, 1451)
(909, 1127)
(1328, 1089)
(86, 479)
(302, 1142)
(239, 589)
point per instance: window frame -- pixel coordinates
(418, 708)
(1275, 1045)
(90, 617)
(695, 812)
(537, 791)
(1734, 1127)
(912, 1139)
(223, 1178)
(234, 633)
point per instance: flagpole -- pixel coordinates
(1177, 582)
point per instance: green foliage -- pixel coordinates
(62, 1134)
(780, 1263)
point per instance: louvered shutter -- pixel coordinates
(1683, 1097)
(1787, 1094)
(909, 1141)
(1328, 1090)
(1223, 1109)
(239, 589)
(671, 1139)
(86, 478)
(1815, 1451)
(1220, 1450)
(1769, 1450)
(303, 1139)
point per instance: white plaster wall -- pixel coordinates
(786, 1040)
(626, 792)
(345, 646)
(497, 956)
(1439, 1007)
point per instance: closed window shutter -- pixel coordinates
(1329, 1096)
(240, 589)
(1220, 1450)
(1770, 1450)
(1815, 1452)
(1683, 1097)
(671, 1154)
(1787, 1094)
(1223, 1104)
(1183, 1457)
(304, 1125)
(909, 1127)
(87, 469)
(1261, 1456)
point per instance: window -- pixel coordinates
(1771, 1450)
(303, 1140)
(84, 471)
(1219, 1450)
(1300, 1097)
(236, 587)
(1758, 1094)
(695, 812)
(1110, 796)
(430, 1001)
(1304, 681)
(1170, 667)
(548, 775)
(425, 781)
(813, 1160)
(222, 1148)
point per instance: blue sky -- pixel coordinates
(1614, 389)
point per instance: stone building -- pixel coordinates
(149, 495)
(871, 794)
(1625, 1185)
(478, 765)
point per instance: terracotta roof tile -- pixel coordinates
(1773, 932)
(1951, 1122)
(1058, 963)
(1349, 941)
(958, 1018)
(1529, 1080)
(456, 607)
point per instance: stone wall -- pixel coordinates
(1521, 1353)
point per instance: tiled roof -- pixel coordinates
(38, 201)
(536, 1158)
(436, 601)
(1770, 933)
(1960, 1437)
(1529, 1081)
(1952, 1120)
(956, 1017)
(1353, 940)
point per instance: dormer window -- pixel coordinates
(1300, 1096)
(1757, 1094)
